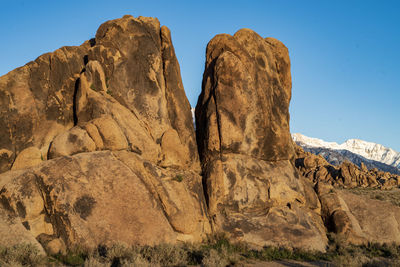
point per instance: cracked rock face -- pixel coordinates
(242, 121)
(101, 142)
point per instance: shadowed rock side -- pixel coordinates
(120, 92)
(242, 123)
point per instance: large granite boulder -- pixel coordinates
(101, 143)
(105, 198)
(379, 220)
(242, 121)
(349, 216)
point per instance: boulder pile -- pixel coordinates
(345, 175)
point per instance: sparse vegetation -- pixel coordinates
(93, 87)
(21, 255)
(217, 251)
(107, 81)
(109, 93)
(73, 257)
(178, 178)
(371, 254)
(392, 195)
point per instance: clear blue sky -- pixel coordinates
(345, 54)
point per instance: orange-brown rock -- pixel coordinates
(12, 231)
(101, 143)
(242, 121)
(337, 216)
(358, 219)
(126, 83)
(104, 198)
(36, 102)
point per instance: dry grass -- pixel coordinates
(217, 251)
(371, 254)
(21, 255)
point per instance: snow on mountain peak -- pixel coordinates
(193, 116)
(314, 142)
(363, 148)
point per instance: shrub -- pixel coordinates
(178, 178)
(165, 255)
(22, 254)
(74, 257)
(214, 258)
(217, 251)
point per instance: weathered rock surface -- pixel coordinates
(359, 219)
(103, 141)
(123, 88)
(36, 102)
(12, 231)
(242, 124)
(106, 197)
(28, 157)
(337, 216)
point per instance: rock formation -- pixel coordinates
(378, 220)
(345, 213)
(242, 124)
(97, 146)
(106, 197)
(121, 90)
(101, 142)
(345, 175)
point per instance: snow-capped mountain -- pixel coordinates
(193, 116)
(367, 150)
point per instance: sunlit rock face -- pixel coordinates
(127, 78)
(101, 142)
(242, 124)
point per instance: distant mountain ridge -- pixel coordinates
(354, 150)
